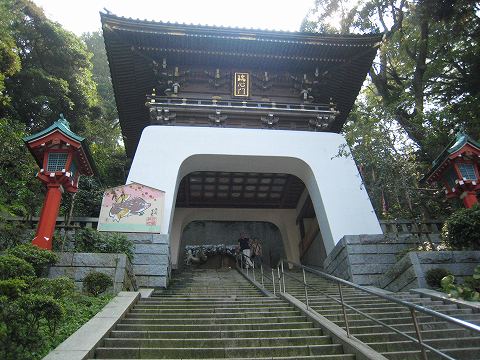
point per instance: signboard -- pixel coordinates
(132, 208)
(241, 84)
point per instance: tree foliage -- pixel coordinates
(423, 83)
(44, 71)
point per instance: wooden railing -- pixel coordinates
(411, 226)
(388, 226)
(75, 222)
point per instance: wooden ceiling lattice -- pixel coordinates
(239, 190)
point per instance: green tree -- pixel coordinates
(9, 58)
(105, 134)
(423, 83)
(44, 71)
(426, 72)
(55, 75)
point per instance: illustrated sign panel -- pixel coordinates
(132, 208)
(241, 84)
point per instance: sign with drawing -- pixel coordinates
(132, 208)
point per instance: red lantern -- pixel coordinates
(458, 169)
(62, 158)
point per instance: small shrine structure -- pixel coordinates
(62, 157)
(458, 169)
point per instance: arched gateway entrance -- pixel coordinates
(205, 99)
(340, 202)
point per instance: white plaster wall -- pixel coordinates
(284, 219)
(167, 153)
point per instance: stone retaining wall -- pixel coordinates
(151, 261)
(363, 259)
(409, 272)
(78, 265)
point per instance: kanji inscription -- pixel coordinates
(241, 84)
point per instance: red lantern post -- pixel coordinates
(62, 158)
(458, 169)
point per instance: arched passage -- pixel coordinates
(283, 219)
(340, 201)
(214, 233)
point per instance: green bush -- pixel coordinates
(461, 230)
(11, 234)
(435, 276)
(13, 267)
(12, 288)
(474, 281)
(91, 240)
(57, 288)
(40, 306)
(468, 291)
(26, 323)
(96, 283)
(40, 259)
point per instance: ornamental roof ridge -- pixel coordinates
(61, 125)
(460, 140)
(375, 37)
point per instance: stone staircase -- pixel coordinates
(209, 314)
(457, 342)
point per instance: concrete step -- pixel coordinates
(211, 309)
(217, 352)
(451, 343)
(467, 353)
(211, 326)
(219, 334)
(307, 357)
(216, 315)
(216, 342)
(210, 320)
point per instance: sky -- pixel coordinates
(83, 16)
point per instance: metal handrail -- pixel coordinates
(416, 307)
(412, 307)
(240, 258)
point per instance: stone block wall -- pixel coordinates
(363, 259)
(410, 271)
(151, 261)
(78, 265)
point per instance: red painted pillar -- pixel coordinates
(48, 217)
(469, 199)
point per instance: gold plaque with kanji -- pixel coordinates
(241, 84)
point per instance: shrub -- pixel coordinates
(38, 258)
(10, 234)
(118, 243)
(90, 240)
(27, 323)
(96, 283)
(57, 288)
(39, 306)
(468, 291)
(462, 229)
(12, 288)
(435, 276)
(474, 280)
(14, 267)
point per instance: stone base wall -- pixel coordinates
(78, 265)
(151, 261)
(363, 259)
(409, 272)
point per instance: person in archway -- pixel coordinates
(256, 249)
(244, 242)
